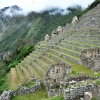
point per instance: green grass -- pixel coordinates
(40, 95)
(79, 68)
(83, 43)
(93, 98)
(39, 67)
(57, 98)
(66, 54)
(69, 50)
(98, 82)
(34, 71)
(28, 84)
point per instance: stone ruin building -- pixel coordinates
(57, 31)
(90, 58)
(55, 76)
(47, 37)
(75, 19)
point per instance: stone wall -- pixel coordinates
(90, 58)
(55, 75)
(85, 92)
(6, 95)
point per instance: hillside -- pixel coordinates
(34, 26)
(77, 44)
(66, 47)
(27, 30)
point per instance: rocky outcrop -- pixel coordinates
(4, 54)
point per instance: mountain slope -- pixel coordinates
(34, 26)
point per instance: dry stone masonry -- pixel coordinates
(85, 92)
(90, 58)
(6, 95)
(55, 75)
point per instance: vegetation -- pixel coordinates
(94, 4)
(98, 82)
(15, 57)
(34, 26)
(40, 95)
(60, 97)
(23, 31)
(28, 84)
(93, 98)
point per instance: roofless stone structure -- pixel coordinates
(55, 75)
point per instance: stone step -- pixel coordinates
(86, 40)
(49, 60)
(34, 71)
(65, 55)
(33, 55)
(27, 67)
(26, 60)
(14, 79)
(66, 50)
(20, 74)
(25, 71)
(44, 64)
(39, 68)
(58, 58)
(72, 47)
(82, 44)
(36, 52)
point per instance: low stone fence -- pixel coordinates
(6, 95)
(85, 92)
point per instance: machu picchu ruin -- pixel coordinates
(66, 63)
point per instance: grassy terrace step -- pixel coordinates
(40, 68)
(81, 44)
(75, 67)
(43, 63)
(14, 79)
(69, 50)
(34, 71)
(86, 40)
(20, 75)
(33, 55)
(26, 72)
(36, 52)
(74, 57)
(58, 58)
(63, 49)
(65, 55)
(72, 47)
(49, 59)
(27, 60)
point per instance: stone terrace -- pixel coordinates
(66, 47)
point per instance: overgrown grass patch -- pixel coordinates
(98, 82)
(79, 68)
(40, 95)
(57, 98)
